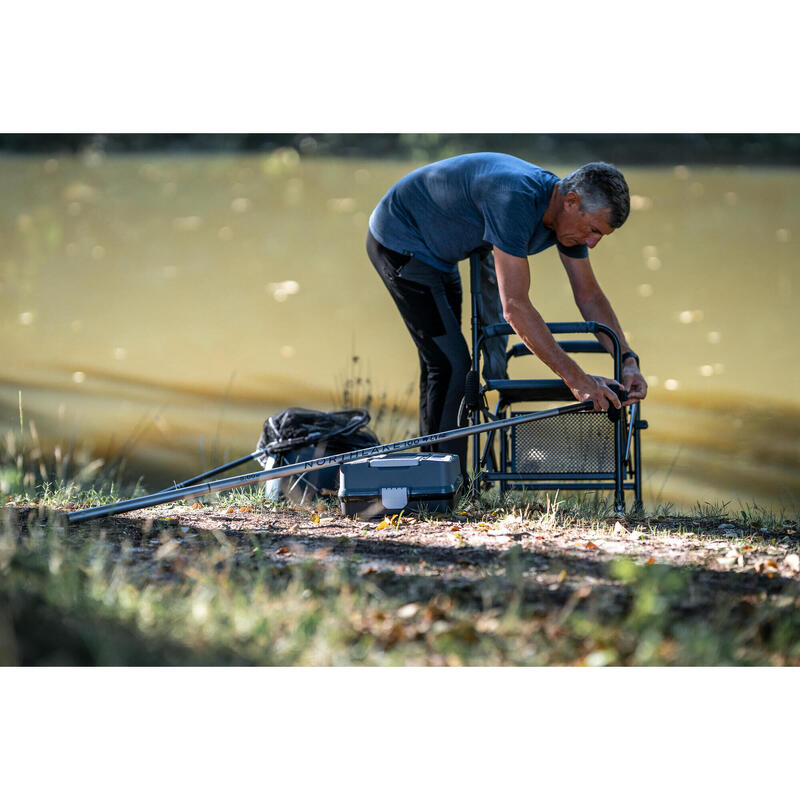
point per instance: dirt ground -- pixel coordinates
(555, 549)
(571, 590)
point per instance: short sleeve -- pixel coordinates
(509, 216)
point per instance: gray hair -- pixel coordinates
(599, 186)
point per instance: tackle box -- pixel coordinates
(374, 487)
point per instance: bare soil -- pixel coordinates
(651, 590)
(716, 551)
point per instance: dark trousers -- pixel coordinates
(429, 300)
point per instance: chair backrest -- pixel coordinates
(488, 331)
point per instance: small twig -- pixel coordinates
(669, 472)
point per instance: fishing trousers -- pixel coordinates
(429, 300)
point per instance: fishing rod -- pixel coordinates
(186, 493)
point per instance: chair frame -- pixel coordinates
(627, 427)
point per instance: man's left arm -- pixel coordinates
(594, 305)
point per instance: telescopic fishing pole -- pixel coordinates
(186, 493)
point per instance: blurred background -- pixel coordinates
(162, 294)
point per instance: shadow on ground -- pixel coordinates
(523, 570)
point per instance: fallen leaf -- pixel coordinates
(407, 611)
(618, 528)
(315, 518)
(245, 509)
(282, 551)
(767, 568)
(385, 524)
(591, 546)
(231, 511)
(651, 560)
(196, 505)
(735, 557)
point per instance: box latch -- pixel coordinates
(394, 496)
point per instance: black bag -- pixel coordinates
(301, 434)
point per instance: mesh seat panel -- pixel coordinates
(569, 443)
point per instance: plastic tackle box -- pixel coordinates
(375, 487)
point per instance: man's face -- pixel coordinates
(575, 227)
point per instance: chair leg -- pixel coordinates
(638, 505)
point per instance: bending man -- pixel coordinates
(439, 214)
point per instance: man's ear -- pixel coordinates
(572, 201)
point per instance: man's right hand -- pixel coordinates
(598, 390)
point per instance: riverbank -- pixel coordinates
(241, 581)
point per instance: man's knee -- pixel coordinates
(446, 359)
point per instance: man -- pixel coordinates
(437, 215)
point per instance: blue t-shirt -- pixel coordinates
(442, 212)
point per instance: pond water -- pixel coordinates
(160, 307)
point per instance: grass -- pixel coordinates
(529, 579)
(161, 590)
(353, 389)
(69, 475)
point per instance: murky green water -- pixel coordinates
(163, 306)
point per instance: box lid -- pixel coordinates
(417, 473)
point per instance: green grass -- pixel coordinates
(66, 476)
(156, 590)
(160, 593)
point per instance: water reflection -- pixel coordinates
(687, 317)
(283, 290)
(168, 289)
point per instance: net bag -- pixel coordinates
(302, 434)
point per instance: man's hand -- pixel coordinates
(633, 381)
(598, 390)
(514, 283)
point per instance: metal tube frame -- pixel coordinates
(621, 457)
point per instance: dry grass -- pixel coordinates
(240, 581)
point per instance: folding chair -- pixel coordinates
(582, 451)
